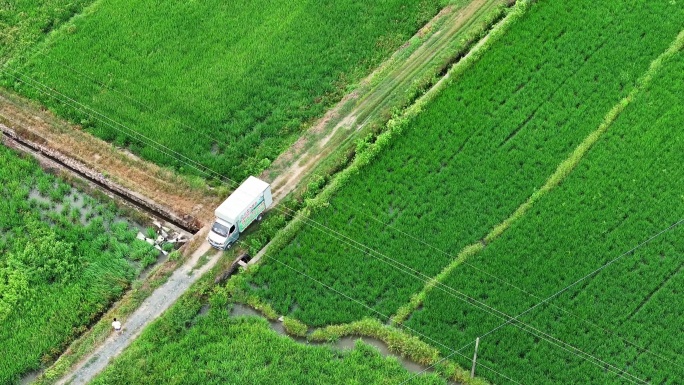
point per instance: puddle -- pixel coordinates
(344, 343)
(349, 342)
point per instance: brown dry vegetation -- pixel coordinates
(144, 178)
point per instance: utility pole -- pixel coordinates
(477, 345)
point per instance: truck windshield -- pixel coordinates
(220, 229)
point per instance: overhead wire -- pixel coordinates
(499, 314)
(404, 233)
(384, 316)
(505, 282)
(679, 222)
(462, 297)
(128, 97)
(561, 291)
(208, 171)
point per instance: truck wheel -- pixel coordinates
(260, 217)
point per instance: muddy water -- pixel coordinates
(344, 343)
(79, 201)
(242, 310)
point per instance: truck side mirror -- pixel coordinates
(232, 229)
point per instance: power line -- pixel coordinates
(134, 100)
(381, 314)
(555, 294)
(156, 112)
(166, 153)
(480, 305)
(497, 313)
(530, 294)
(108, 121)
(428, 368)
(587, 275)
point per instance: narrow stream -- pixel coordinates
(344, 343)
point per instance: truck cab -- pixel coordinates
(222, 234)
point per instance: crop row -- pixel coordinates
(64, 256)
(228, 85)
(465, 163)
(24, 23)
(627, 189)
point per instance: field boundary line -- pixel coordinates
(562, 171)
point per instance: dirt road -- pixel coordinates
(160, 300)
(140, 177)
(387, 88)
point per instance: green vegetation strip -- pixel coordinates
(64, 258)
(563, 170)
(626, 189)
(395, 127)
(229, 85)
(400, 343)
(466, 160)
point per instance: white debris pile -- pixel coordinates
(165, 235)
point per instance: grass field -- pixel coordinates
(474, 154)
(228, 85)
(64, 257)
(219, 349)
(627, 189)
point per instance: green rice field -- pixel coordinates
(222, 85)
(535, 200)
(222, 349)
(628, 189)
(464, 164)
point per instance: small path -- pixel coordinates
(160, 300)
(373, 101)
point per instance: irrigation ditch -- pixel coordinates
(343, 343)
(186, 224)
(157, 225)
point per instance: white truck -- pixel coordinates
(242, 207)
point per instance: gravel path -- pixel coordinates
(160, 300)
